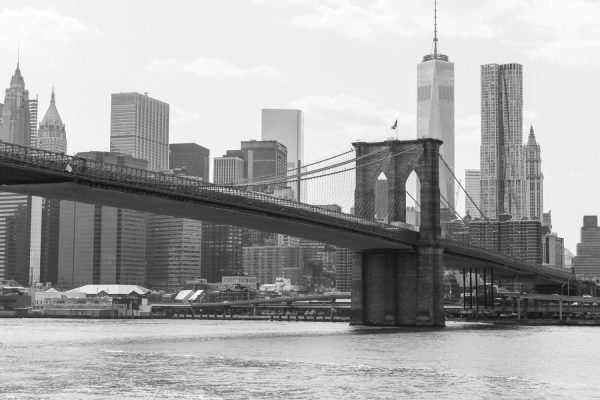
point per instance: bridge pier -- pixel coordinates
(400, 287)
(397, 288)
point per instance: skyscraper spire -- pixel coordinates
(435, 39)
(435, 55)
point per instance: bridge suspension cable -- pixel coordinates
(307, 175)
(282, 177)
(464, 190)
(262, 178)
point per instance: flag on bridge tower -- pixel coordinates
(395, 125)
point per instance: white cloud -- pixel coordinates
(568, 31)
(562, 31)
(179, 116)
(366, 20)
(215, 68)
(35, 23)
(332, 122)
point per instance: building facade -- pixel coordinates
(270, 262)
(504, 186)
(16, 121)
(286, 126)
(139, 127)
(473, 188)
(52, 134)
(343, 259)
(520, 239)
(587, 260)
(228, 170)
(221, 251)
(33, 121)
(535, 177)
(175, 244)
(100, 244)
(263, 161)
(554, 248)
(192, 157)
(15, 209)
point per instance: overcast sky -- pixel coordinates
(350, 65)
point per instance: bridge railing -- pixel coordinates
(100, 171)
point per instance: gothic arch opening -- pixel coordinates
(413, 199)
(382, 198)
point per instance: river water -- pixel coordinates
(200, 359)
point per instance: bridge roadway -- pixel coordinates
(54, 175)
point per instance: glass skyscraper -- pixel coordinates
(286, 126)
(435, 112)
(139, 127)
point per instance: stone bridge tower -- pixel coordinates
(400, 287)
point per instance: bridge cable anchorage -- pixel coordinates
(306, 175)
(294, 178)
(276, 174)
(464, 190)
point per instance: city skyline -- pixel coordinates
(225, 79)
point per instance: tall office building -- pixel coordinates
(343, 261)
(270, 262)
(16, 121)
(52, 135)
(33, 121)
(100, 244)
(139, 127)
(228, 170)
(221, 251)
(504, 188)
(15, 236)
(567, 258)
(266, 159)
(287, 127)
(263, 160)
(535, 177)
(435, 111)
(175, 244)
(473, 188)
(587, 260)
(192, 157)
(521, 239)
(15, 209)
(174, 252)
(554, 248)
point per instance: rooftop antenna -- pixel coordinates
(18, 54)
(435, 39)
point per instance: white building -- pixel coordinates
(287, 127)
(228, 170)
(473, 188)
